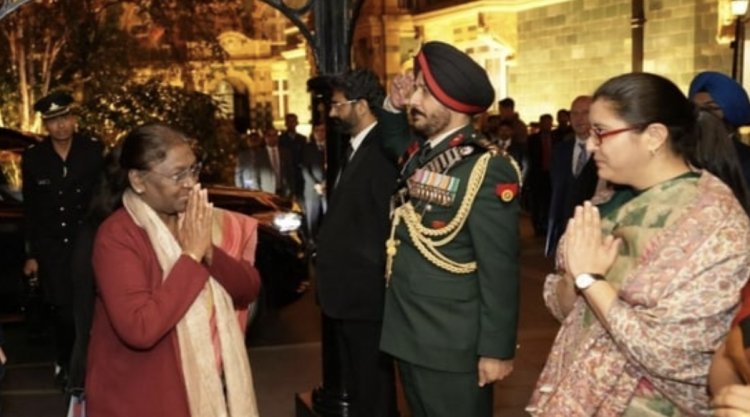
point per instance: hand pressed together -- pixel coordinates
(585, 249)
(195, 225)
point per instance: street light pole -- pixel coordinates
(637, 22)
(330, 40)
(739, 9)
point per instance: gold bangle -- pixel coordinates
(192, 256)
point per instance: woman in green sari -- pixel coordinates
(648, 279)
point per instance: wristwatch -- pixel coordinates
(585, 280)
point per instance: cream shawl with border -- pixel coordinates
(206, 396)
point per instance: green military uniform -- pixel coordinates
(441, 314)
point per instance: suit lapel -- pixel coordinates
(359, 155)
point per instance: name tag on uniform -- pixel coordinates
(433, 187)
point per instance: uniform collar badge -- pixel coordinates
(456, 140)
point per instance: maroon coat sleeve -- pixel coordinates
(141, 308)
(240, 279)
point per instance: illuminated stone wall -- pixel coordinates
(570, 48)
(541, 56)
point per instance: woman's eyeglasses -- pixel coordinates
(192, 173)
(599, 135)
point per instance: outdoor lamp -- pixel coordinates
(739, 7)
(301, 4)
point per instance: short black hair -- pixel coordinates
(507, 103)
(360, 84)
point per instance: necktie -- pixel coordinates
(582, 158)
(344, 162)
(347, 156)
(422, 157)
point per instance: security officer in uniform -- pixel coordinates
(58, 176)
(452, 270)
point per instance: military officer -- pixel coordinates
(58, 177)
(452, 270)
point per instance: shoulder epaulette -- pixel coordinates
(489, 146)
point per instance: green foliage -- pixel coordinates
(111, 115)
(8, 96)
(95, 48)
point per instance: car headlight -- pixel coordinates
(287, 222)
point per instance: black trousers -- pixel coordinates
(368, 374)
(433, 393)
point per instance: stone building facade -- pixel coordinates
(542, 53)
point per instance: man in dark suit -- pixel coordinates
(268, 168)
(58, 180)
(351, 255)
(573, 173)
(293, 142)
(540, 156)
(452, 301)
(312, 164)
(563, 128)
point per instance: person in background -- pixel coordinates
(727, 100)
(633, 339)
(170, 272)
(58, 177)
(314, 173)
(508, 112)
(281, 163)
(452, 269)
(253, 166)
(500, 132)
(573, 177)
(563, 128)
(539, 148)
(265, 165)
(293, 142)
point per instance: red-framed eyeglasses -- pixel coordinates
(599, 135)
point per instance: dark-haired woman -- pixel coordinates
(165, 338)
(648, 280)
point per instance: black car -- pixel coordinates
(281, 255)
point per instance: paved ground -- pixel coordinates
(285, 354)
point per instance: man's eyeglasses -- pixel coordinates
(192, 173)
(336, 105)
(599, 135)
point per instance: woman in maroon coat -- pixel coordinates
(165, 339)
